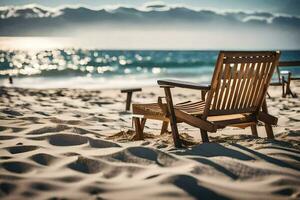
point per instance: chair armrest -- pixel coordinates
(183, 84)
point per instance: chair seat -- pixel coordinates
(193, 108)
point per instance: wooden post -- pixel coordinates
(128, 100)
(10, 79)
(171, 114)
(268, 127)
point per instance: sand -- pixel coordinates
(76, 144)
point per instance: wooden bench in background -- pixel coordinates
(285, 77)
(129, 92)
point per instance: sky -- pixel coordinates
(275, 24)
(275, 6)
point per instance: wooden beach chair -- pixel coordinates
(235, 97)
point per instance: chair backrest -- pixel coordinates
(240, 81)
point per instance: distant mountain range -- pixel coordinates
(38, 20)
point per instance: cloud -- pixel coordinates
(38, 20)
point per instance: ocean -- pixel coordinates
(106, 69)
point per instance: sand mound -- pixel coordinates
(86, 165)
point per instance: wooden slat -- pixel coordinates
(211, 92)
(216, 89)
(228, 87)
(182, 103)
(191, 104)
(263, 85)
(232, 111)
(247, 53)
(231, 60)
(223, 86)
(242, 86)
(239, 80)
(131, 90)
(259, 83)
(233, 86)
(249, 77)
(254, 84)
(216, 118)
(184, 84)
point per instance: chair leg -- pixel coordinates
(204, 136)
(288, 87)
(164, 127)
(138, 129)
(171, 114)
(283, 89)
(268, 127)
(269, 131)
(143, 122)
(254, 130)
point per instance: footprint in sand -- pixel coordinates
(93, 190)
(21, 149)
(69, 179)
(17, 167)
(43, 159)
(7, 188)
(143, 156)
(43, 186)
(66, 139)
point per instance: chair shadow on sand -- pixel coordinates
(190, 185)
(202, 152)
(236, 151)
